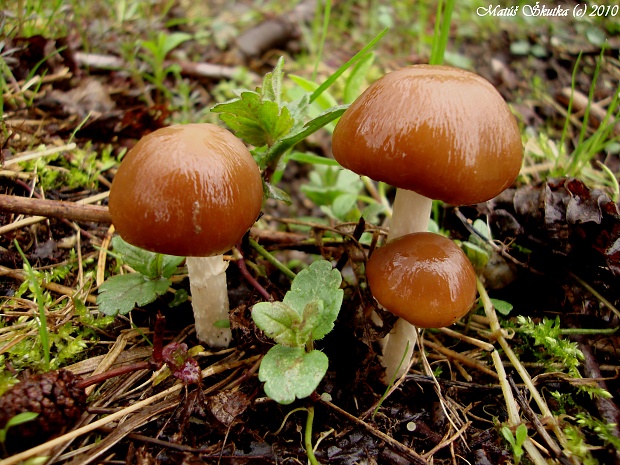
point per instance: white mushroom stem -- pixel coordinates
(207, 278)
(410, 213)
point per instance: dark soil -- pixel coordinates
(557, 233)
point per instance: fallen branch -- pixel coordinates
(55, 209)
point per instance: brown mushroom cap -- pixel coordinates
(442, 132)
(188, 190)
(423, 278)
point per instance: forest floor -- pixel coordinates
(83, 82)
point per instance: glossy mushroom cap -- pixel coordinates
(424, 278)
(442, 132)
(187, 190)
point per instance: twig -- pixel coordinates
(513, 414)
(54, 287)
(413, 455)
(460, 357)
(55, 209)
(26, 156)
(240, 262)
(523, 373)
(538, 426)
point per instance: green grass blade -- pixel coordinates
(319, 54)
(330, 80)
(441, 32)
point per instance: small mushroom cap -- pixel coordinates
(423, 278)
(442, 132)
(188, 190)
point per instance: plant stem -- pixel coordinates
(308, 436)
(271, 259)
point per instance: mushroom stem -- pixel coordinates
(207, 278)
(410, 213)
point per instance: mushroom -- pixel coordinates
(433, 132)
(424, 278)
(190, 190)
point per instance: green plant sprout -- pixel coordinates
(121, 293)
(18, 419)
(293, 368)
(263, 118)
(155, 52)
(578, 162)
(516, 440)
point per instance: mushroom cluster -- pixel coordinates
(433, 132)
(190, 190)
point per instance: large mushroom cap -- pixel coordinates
(442, 132)
(424, 278)
(188, 190)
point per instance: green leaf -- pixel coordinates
(141, 260)
(355, 80)
(284, 144)
(311, 158)
(150, 264)
(278, 321)
(330, 80)
(502, 306)
(343, 204)
(310, 318)
(290, 372)
(317, 282)
(21, 418)
(521, 434)
(508, 435)
(325, 101)
(258, 122)
(16, 420)
(478, 256)
(170, 265)
(272, 83)
(273, 192)
(121, 293)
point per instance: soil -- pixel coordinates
(556, 239)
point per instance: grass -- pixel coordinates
(46, 329)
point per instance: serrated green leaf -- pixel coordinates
(150, 264)
(317, 282)
(170, 265)
(141, 260)
(278, 321)
(290, 372)
(272, 83)
(301, 133)
(258, 122)
(121, 293)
